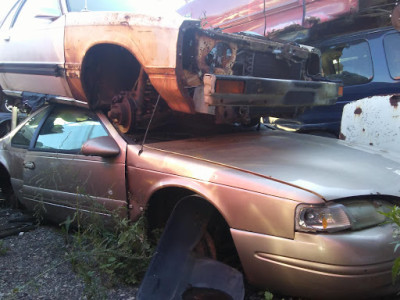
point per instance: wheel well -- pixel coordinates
(108, 69)
(160, 207)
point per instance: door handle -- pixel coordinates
(7, 38)
(29, 165)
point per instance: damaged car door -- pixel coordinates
(58, 177)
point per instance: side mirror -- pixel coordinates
(103, 146)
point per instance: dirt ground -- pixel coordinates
(34, 266)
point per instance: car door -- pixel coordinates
(19, 146)
(32, 48)
(58, 179)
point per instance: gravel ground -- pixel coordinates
(34, 266)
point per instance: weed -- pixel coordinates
(106, 255)
(268, 295)
(394, 217)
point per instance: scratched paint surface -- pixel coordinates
(373, 121)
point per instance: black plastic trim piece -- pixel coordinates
(32, 69)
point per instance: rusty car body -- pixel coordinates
(90, 57)
(303, 222)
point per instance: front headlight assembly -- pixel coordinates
(350, 214)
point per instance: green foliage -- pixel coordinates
(106, 255)
(3, 249)
(268, 295)
(394, 217)
(39, 210)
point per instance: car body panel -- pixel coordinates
(344, 269)
(63, 181)
(146, 37)
(94, 56)
(21, 65)
(265, 16)
(275, 156)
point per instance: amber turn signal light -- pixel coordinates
(340, 91)
(229, 87)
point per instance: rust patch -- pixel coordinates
(342, 136)
(394, 101)
(358, 111)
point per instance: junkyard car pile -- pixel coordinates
(151, 113)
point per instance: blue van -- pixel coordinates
(368, 64)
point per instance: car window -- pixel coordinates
(6, 23)
(392, 50)
(32, 15)
(23, 137)
(66, 129)
(350, 63)
(102, 5)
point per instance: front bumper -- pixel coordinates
(354, 265)
(267, 92)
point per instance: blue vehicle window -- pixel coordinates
(67, 129)
(392, 50)
(350, 63)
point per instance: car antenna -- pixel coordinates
(148, 125)
(85, 9)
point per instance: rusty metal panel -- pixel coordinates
(373, 121)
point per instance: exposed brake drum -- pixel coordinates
(122, 111)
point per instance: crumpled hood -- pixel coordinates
(331, 168)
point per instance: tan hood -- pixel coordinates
(328, 167)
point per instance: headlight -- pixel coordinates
(350, 214)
